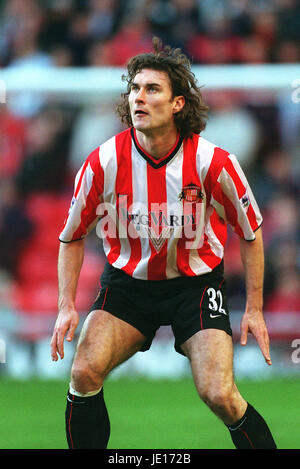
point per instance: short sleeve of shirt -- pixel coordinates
(88, 188)
(234, 201)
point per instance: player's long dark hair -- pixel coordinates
(192, 118)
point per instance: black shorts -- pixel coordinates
(187, 304)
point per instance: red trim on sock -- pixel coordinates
(70, 434)
(243, 431)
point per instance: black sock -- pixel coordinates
(251, 432)
(87, 422)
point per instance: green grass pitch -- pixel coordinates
(155, 414)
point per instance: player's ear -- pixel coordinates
(178, 103)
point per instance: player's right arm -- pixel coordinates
(82, 217)
(70, 261)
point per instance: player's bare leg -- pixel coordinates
(211, 356)
(105, 342)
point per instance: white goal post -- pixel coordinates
(107, 80)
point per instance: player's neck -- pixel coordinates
(157, 144)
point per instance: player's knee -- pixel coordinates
(218, 398)
(85, 378)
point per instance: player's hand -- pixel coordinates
(254, 323)
(66, 323)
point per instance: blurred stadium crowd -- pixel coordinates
(43, 142)
(108, 32)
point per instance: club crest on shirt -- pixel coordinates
(191, 193)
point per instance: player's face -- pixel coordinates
(151, 102)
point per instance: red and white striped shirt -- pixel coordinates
(161, 219)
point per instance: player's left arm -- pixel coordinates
(252, 254)
(234, 201)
